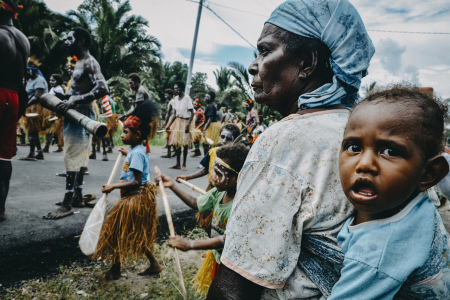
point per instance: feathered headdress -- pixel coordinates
(10, 6)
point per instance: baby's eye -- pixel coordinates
(353, 149)
(390, 152)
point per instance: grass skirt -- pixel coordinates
(213, 132)
(197, 135)
(130, 227)
(38, 123)
(113, 124)
(203, 279)
(180, 137)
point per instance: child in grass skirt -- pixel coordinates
(219, 200)
(130, 227)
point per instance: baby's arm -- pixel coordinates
(184, 245)
(360, 281)
(190, 200)
(132, 184)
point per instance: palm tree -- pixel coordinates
(223, 78)
(241, 78)
(44, 30)
(121, 44)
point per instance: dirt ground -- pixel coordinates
(85, 280)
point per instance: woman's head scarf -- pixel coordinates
(338, 25)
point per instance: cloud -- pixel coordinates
(390, 55)
(411, 75)
(423, 57)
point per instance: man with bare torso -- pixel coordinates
(88, 84)
(14, 53)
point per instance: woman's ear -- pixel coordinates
(308, 65)
(435, 169)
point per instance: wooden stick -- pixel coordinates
(91, 232)
(171, 229)
(193, 187)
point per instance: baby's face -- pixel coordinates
(380, 162)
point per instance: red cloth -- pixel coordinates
(201, 117)
(216, 267)
(9, 108)
(135, 123)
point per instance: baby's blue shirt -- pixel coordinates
(405, 255)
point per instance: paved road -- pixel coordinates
(35, 189)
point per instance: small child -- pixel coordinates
(219, 200)
(130, 227)
(395, 245)
(228, 134)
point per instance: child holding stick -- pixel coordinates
(228, 134)
(130, 228)
(395, 245)
(219, 200)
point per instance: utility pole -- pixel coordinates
(194, 45)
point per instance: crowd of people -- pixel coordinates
(323, 204)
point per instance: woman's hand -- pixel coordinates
(179, 243)
(107, 188)
(166, 180)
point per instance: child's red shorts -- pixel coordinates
(9, 108)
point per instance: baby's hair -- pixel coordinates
(433, 113)
(148, 114)
(233, 129)
(234, 155)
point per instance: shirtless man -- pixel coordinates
(14, 53)
(88, 84)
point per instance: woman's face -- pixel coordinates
(275, 73)
(53, 82)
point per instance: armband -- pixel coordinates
(222, 239)
(191, 244)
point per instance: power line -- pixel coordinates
(410, 32)
(374, 30)
(207, 7)
(244, 11)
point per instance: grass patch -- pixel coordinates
(86, 280)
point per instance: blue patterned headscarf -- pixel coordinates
(338, 25)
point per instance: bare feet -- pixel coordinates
(2, 217)
(74, 204)
(111, 275)
(183, 168)
(59, 213)
(175, 167)
(152, 270)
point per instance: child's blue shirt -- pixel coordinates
(405, 256)
(137, 159)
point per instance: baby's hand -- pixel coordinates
(123, 150)
(179, 243)
(107, 188)
(166, 180)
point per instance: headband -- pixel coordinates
(224, 164)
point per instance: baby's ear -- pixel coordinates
(436, 168)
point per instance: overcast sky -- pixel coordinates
(422, 59)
